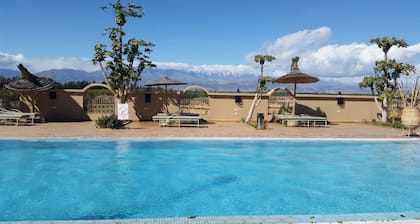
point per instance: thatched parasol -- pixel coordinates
(165, 81)
(30, 82)
(295, 76)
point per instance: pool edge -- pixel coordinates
(358, 218)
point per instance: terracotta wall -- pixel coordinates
(234, 106)
(67, 105)
(355, 108)
(57, 105)
(159, 101)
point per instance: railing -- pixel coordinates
(198, 105)
(100, 104)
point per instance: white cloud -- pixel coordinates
(340, 60)
(61, 62)
(408, 55)
(209, 69)
(9, 61)
(297, 42)
(329, 61)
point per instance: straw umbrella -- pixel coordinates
(30, 83)
(295, 76)
(165, 81)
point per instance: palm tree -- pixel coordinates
(261, 59)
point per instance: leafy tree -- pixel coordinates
(260, 59)
(125, 61)
(384, 83)
(7, 96)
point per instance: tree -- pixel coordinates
(260, 59)
(384, 83)
(124, 62)
(7, 96)
(72, 85)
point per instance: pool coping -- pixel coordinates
(210, 138)
(359, 218)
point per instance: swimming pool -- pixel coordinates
(86, 179)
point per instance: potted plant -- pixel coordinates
(410, 116)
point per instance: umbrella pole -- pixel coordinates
(166, 99)
(294, 100)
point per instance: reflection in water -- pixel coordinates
(122, 148)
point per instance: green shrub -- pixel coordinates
(111, 121)
(393, 124)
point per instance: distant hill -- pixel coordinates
(9, 73)
(212, 82)
(66, 75)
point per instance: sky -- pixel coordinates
(331, 37)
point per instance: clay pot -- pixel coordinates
(410, 118)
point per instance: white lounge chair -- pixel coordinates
(15, 115)
(12, 117)
(177, 119)
(301, 120)
(162, 118)
(32, 116)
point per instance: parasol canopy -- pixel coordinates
(295, 76)
(30, 82)
(165, 81)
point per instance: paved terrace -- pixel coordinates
(142, 130)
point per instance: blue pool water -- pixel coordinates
(72, 180)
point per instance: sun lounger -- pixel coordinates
(187, 120)
(32, 116)
(15, 118)
(302, 120)
(162, 118)
(179, 120)
(15, 115)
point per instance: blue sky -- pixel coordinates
(219, 36)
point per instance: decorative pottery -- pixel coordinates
(410, 118)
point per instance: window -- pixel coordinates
(148, 97)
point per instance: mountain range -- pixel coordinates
(212, 82)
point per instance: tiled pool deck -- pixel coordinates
(146, 130)
(141, 130)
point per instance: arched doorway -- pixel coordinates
(280, 101)
(98, 100)
(195, 99)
